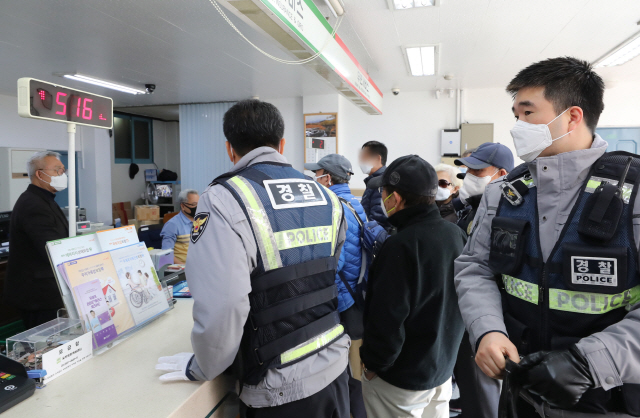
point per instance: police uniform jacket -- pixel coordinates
(219, 266)
(614, 353)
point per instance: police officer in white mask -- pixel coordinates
(487, 163)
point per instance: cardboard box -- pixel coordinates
(123, 211)
(147, 212)
(134, 222)
(155, 222)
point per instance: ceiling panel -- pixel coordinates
(192, 55)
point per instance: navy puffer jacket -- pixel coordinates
(351, 255)
(372, 202)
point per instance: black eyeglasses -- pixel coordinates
(444, 184)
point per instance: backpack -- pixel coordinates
(372, 236)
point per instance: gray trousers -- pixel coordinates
(479, 394)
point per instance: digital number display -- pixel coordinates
(317, 143)
(42, 100)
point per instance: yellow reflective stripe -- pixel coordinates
(260, 222)
(571, 301)
(336, 216)
(591, 303)
(529, 182)
(521, 289)
(301, 237)
(315, 344)
(593, 184)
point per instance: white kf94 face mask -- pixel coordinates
(531, 139)
(442, 194)
(474, 185)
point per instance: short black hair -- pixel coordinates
(250, 124)
(377, 148)
(567, 82)
(411, 199)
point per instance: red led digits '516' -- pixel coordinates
(59, 103)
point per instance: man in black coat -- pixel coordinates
(36, 218)
(412, 323)
(373, 160)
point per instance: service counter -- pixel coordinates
(123, 382)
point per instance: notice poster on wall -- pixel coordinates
(139, 281)
(320, 136)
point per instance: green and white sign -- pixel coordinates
(306, 24)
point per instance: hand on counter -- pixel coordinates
(176, 364)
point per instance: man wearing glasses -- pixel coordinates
(36, 218)
(177, 231)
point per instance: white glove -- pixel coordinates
(176, 364)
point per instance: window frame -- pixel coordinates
(133, 160)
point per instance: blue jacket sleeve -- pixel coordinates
(169, 236)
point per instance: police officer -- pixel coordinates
(261, 268)
(550, 271)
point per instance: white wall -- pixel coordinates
(94, 174)
(491, 106)
(92, 145)
(621, 108)
(166, 154)
(410, 124)
(291, 110)
(30, 133)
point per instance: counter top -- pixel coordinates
(123, 381)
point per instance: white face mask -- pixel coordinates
(57, 182)
(531, 139)
(442, 194)
(474, 185)
(366, 168)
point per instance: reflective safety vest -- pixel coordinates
(295, 222)
(589, 280)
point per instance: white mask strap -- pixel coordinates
(565, 111)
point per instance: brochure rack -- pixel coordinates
(109, 283)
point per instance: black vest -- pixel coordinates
(295, 222)
(589, 278)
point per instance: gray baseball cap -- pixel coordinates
(333, 163)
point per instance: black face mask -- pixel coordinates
(190, 211)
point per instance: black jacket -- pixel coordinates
(469, 213)
(413, 327)
(36, 218)
(372, 202)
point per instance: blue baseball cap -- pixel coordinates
(488, 154)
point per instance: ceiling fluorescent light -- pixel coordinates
(410, 4)
(422, 60)
(103, 83)
(624, 52)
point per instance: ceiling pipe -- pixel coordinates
(336, 7)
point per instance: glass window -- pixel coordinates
(142, 134)
(133, 139)
(122, 137)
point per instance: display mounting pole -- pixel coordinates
(71, 129)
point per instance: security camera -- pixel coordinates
(395, 91)
(150, 88)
